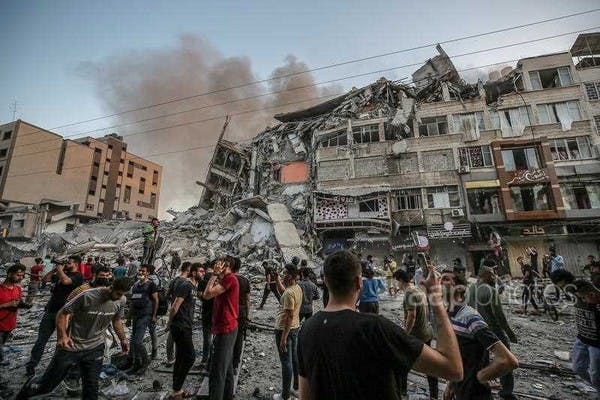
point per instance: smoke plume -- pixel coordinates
(192, 66)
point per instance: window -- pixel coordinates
(577, 148)
(1, 169)
(476, 157)
(433, 126)
(557, 112)
(6, 135)
(581, 196)
(366, 133)
(138, 215)
(593, 90)
(340, 139)
(127, 194)
(597, 121)
(443, 197)
(17, 223)
(152, 200)
(154, 178)
(142, 186)
(103, 186)
(368, 206)
(105, 173)
(523, 115)
(89, 207)
(484, 201)
(3, 153)
(130, 169)
(520, 159)
(223, 159)
(464, 122)
(550, 78)
(531, 197)
(410, 199)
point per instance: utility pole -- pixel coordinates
(12, 107)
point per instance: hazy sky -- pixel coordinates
(47, 44)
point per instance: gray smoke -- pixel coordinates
(139, 78)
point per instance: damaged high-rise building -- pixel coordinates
(512, 161)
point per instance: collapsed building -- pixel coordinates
(463, 165)
(394, 166)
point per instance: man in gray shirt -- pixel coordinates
(80, 330)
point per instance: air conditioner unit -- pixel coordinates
(464, 169)
(458, 212)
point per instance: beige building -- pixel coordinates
(96, 176)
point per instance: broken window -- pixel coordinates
(368, 206)
(476, 157)
(227, 160)
(463, 123)
(366, 133)
(127, 194)
(519, 159)
(577, 148)
(511, 117)
(565, 112)
(410, 199)
(7, 135)
(443, 197)
(581, 196)
(597, 121)
(3, 153)
(550, 78)
(340, 139)
(439, 160)
(130, 169)
(17, 223)
(531, 197)
(433, 126)
(92, 186)
(484, 201)
(592, 89)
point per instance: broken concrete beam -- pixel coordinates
(278, 212)
(285, 232)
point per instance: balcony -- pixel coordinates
(357, 224)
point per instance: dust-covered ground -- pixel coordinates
(260, 377)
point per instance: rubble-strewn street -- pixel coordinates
(539, 339)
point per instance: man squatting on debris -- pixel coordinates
(88, 315)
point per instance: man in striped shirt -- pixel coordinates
(475, 340)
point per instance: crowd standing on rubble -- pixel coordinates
(346, 350)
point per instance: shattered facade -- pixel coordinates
(515, 157)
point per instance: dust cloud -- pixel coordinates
(139, 78)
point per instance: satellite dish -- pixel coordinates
(399, 147)
(448, 226)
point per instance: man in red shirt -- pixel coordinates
(10, 301)
(34, 280)
(87, 268)
(224, 327)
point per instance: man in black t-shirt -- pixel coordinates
(65, 277)
(182, 277)
(207, 309)
(244, 312)
(180, 324)
(143, 308)
(270, 284)
(476, 340)
(347, 355)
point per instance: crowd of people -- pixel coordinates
(346, 350)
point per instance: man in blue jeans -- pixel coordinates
(88, 315)
(286, 331)
(144, 306)
(586, 350)
(66, 278)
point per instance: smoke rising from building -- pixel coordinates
(142, 77)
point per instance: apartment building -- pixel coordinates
(50, 179)
(446, 165)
